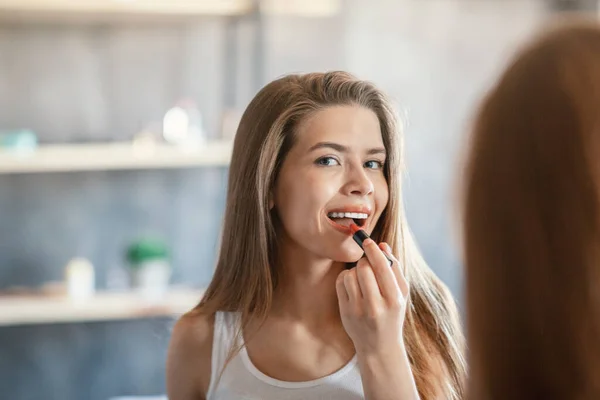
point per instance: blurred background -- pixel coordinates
(116, 121)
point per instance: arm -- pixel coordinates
(189, 357)
(387, 376)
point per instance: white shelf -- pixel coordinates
(139, 7)
(50, 309)
(181, 8)
(113, 156)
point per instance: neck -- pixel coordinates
(306, 289)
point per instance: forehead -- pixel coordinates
(353, 126)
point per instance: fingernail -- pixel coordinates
(388, 248)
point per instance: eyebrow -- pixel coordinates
(343, 149)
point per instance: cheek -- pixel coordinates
(299, 203)
(382, 193)
(381, 196)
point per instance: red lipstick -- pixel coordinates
(360, 236)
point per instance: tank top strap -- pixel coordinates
(226, 327)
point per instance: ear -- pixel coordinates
(271, 201)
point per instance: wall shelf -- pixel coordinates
(129, 7)
(113, 156)
(165, 8)
(103, 306)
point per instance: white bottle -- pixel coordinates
(182, 125)
(80, 278)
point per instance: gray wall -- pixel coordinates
(83, 361)
(100, 83)
(90, 83)
(436, 58)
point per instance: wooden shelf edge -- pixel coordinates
(18, 310)
(112, 156)
(113, 7)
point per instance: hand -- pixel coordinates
(372, 299)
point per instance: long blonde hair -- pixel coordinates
(246, 272)
(532, 224)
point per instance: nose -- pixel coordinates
(358, 182)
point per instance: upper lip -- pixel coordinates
(352, 209)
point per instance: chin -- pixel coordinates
(347, 255)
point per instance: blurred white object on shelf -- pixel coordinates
(182, 125)
(80, 279)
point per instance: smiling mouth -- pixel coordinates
(346, 218)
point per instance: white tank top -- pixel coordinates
(242, 380)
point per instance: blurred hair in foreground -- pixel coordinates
(531, 214)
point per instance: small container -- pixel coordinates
(150, 268)
(80, 279)
(183, 125)
(19, 142)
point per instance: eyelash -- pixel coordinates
(320, 161)
(379, 164)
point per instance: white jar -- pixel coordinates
(80, 279)
(151, 278)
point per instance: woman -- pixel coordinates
(532, 224)
(286, 314)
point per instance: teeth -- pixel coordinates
(348, 215)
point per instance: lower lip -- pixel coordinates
(341, 228)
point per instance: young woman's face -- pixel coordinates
(332, 176)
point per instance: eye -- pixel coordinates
(374, 164)
(327, 161)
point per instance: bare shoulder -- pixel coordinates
(189, 357)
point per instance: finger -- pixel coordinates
(381, 267)
(352, 287)
(340, 289)
(396, 269)
(367, 281)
